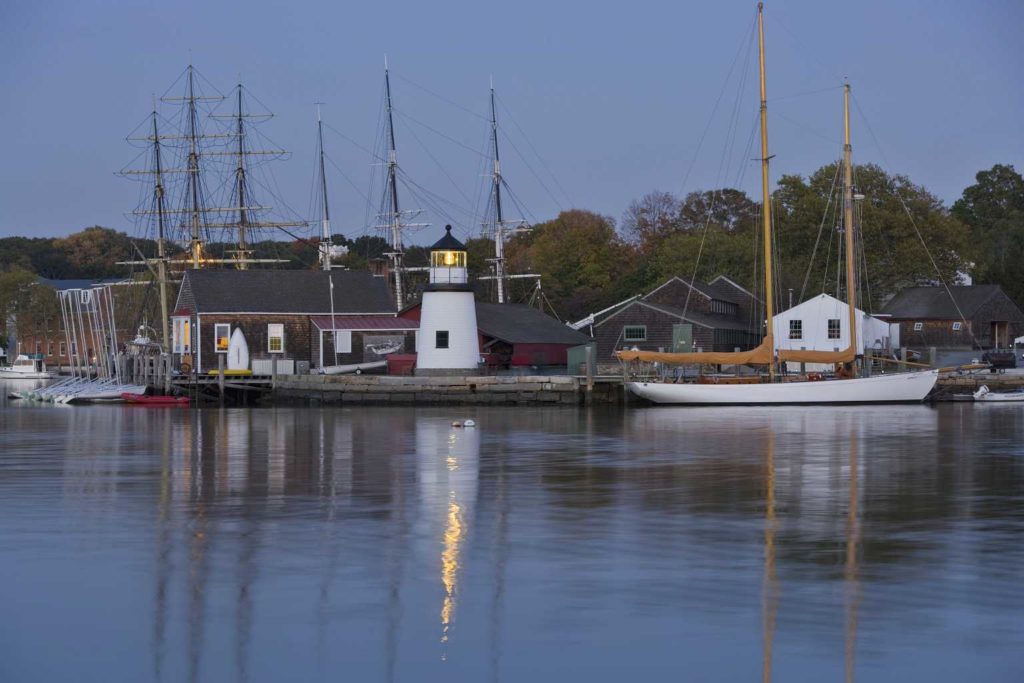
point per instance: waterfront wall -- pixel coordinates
(512, 390)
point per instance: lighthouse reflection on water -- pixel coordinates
(448, 463)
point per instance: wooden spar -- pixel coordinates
(851, 275)
(161, 245)
(766, 209)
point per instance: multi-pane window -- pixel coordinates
(634, 333)
(441, 339)
(49, 348)
(796, 329)
(275, 338)
(918, 327)
(833, 328)
(63, 349)
(221, 337)
(957, 327)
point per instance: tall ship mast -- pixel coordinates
(246, 221)
(392, 217)
(324, 207)
(500, 229)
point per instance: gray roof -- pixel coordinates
(522, 324)
(712, 320)
(934, 303)
(287, 291)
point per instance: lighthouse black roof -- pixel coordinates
(448, 243)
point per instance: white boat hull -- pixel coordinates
(984, 394)
(14, 374)
(354, 367)
(897, 388)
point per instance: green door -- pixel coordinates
(682, 338)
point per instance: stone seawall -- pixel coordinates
(514, 390)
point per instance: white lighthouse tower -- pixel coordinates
(448, 341)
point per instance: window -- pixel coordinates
(796, 329)
(49, 349)
(74, 349)
(724, 307)
(956, 327)
(833, 328)
(182, 336)
(39, 348)
(221, 337)
(441, 339)
(275, 338)
(918, 327)
(634, 333)
(343, 341)
(63, 349)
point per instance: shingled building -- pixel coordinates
(976, 316)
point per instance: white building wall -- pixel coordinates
(454, 312)
(872, 333)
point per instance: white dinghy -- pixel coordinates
(986, 394)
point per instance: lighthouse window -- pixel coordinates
(275, 338)
(221, 337)
(441, 339)
(833, 328)
(796, 329)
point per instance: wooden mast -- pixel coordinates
(766, 207)
(851, 275)
(161, 244)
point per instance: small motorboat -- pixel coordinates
(985, 394)
(136, 399)
(26, 367)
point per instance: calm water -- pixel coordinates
(377, 544)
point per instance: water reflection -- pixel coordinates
(384, 543)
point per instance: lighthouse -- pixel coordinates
(448, 342)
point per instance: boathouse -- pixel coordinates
(682, 315)
(976, 316)
(280, 312)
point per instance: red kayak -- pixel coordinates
(155, 400)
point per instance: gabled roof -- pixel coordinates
(448, 242)
(934, 303)
(522, 324)
(709, 320)
(287, 291)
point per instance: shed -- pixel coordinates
(964, 317)
(273, 308)
(822, 324)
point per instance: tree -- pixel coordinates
(31, 306)
(651, 218)
(94, 252)
(993, 209)
(581, 260)
(902, 228)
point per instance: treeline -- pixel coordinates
(587, 261)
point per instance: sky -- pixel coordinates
(599, 103)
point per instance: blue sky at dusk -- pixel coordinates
(601, 102)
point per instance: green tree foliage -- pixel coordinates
(993, 209)
(581, 259)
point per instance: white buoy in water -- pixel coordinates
(469, 423)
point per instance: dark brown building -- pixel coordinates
(976, 316)
(273, 308)
(683, 316)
